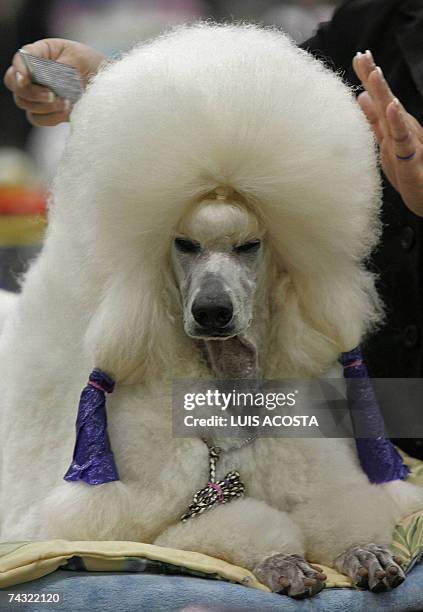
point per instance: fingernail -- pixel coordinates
(67, 105)
(369, 54)
(19, 78)
(358, 54)
(51, 97)
(379, 70)
(399, 106)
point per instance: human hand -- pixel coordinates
(41, 105)
(399, 134)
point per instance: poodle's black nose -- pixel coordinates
(211, 311)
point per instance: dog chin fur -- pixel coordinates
(202, 106)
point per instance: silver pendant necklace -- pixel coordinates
(216, 491)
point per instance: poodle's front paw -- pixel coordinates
(371, 567)
(290, 575)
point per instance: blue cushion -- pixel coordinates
(109, 592)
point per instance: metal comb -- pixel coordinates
(61, 79)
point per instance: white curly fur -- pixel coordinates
(203, 106)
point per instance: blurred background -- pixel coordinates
(29, 156)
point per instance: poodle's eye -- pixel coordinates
(248, 247)
(186, 246)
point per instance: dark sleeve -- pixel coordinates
(353, 27)
(332, 39)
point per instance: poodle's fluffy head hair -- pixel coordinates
(158, 132)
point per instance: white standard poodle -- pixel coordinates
(211, 215)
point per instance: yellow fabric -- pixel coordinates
(25, 561)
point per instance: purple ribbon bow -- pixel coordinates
(93, 460)
(378, 456)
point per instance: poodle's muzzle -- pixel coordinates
(213, 311)
(217, 294)
(216, 273)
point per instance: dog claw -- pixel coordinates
(320, 575)
(371, 567)
(379, 587)
(396, 581)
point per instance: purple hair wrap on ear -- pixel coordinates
(378, 457)
(93, 460)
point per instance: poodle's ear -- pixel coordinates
(126, 330)
(125, 340)
(314, 319)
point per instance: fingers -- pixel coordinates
(368, 107)
(41, 105)
(52, 104)
(47, 119)
(33, 94)
(399, 134)
(383, 111)
(378, 94)
(363, 64)
(404, 141)
(372, 79)
(18, 82)
(379, 90)
(18, 72)
(42, 48)
(14, 78)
